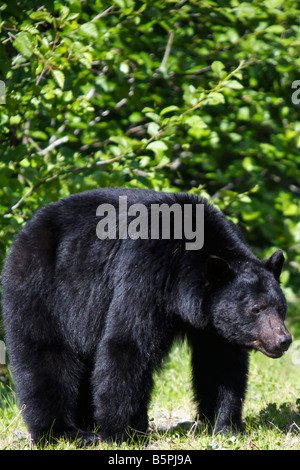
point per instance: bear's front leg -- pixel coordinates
(219, 379)
(122, 381)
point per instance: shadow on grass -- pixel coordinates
(285, 417)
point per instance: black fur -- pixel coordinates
(87, 321)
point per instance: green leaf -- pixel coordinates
(124, 68)
(217, 67)
(164, 160)
(248, 164)
(169, 109)
(23, 44)
(41, 16)
(58, 77)
(89, 29)
(118, 139)
(214, 98)
(195, 121)
(153, 116)
(276, 29)
(156, 146)
(243, 113)
(234, 84)
(153, 128)
(273, 3)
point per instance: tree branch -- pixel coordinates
(62, 175)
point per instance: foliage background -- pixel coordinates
(174, 96)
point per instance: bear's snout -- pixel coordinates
(284, 342)
(274, 338)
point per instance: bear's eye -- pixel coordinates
(256, 309)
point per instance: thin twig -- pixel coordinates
(103, 13)
(62, 174)
(97, 17)
(217, 88)
(54, 144)
(40, 76)
(167, 52)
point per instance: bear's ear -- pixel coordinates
(217, 270)
(275, 263)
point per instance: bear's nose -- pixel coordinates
(284, 342)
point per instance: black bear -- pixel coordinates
(93, 298)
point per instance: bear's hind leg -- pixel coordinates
(122, 382)
(47, 381)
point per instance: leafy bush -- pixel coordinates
(174, 95)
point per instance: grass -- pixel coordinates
(271, 410)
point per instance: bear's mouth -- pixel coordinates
(259, 346)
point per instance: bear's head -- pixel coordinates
(245, 303)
